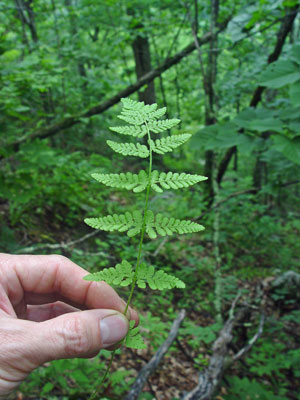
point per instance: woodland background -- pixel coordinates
(230, 70)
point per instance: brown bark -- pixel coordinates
(142, 56)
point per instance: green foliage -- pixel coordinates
(129, 149)
(80, 59)
(134, 222)
(123, 275)
(250, 389)
(134, 339)
(169, 143)
(143, 118)
(139, 182)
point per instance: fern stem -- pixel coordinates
(138, 261)
(95, 392)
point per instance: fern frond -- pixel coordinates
(157, 279)
(132, 130)
(134, 339)
(121, 275)
(136, 182)
(131, 222)
(169, 143)
(160, 225)
(162, 125)
(129, 149)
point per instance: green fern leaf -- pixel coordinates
(162, 125)
(135, 131)
(131, 222)
(169, 143)
(167, 226)
(157, 280)
(137, 113)
(129, 149)
(136, 182)
(134, 339)
(177, 180)
(157, 114)
(121, 275)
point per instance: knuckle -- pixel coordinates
(58, 259)
(75, 337)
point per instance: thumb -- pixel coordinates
(81, 334)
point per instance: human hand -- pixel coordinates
(41, 298)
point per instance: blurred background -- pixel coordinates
(230, 70)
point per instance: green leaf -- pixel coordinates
(290, 148)
(159, 181)
(129, 149)
(175, 180)
(280, 73)
(163, 125)
(295, 94)
(160, 225)
(259, 120)
(121, 275)
(131, 222)
(134, 339)
(135, 131)
(169, 143)
(157, 280)
(136, 182)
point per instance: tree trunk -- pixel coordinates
(142, 57)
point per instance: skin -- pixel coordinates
(48, 312)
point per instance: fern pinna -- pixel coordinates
(142, 121)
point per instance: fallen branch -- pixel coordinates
(210, 378)
(149, 368)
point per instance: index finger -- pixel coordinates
(56, 274)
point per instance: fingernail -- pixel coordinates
(113, 328)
